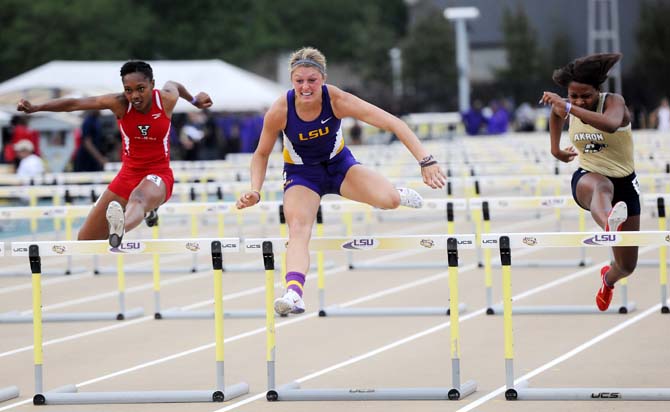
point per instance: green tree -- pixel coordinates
(653, 42)
(522, 78)
(429, 68)
(36, 32)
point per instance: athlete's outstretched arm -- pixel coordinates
(113, 102)
(347, 105)
(172, 91)
(608, 121)
(273, 123)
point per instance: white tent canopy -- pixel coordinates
(231, 88)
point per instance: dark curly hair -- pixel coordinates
(137, 66)
(591, 69)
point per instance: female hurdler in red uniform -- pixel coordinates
(145, 180)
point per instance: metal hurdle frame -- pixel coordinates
(55, 212)
(68, 213)
(505, 243)
(658, 202)
(625, 306)
(292, 391)
(68, 395)
(9, 392)
(447, 205)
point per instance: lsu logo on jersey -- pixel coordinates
(313, 134)
(144, 130)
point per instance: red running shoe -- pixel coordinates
(604, 296)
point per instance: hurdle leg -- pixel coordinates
(36, 270)
(457, 391)
(269, 264)
(321, 278)
(663, 256)
(156, 277)
(506, 261)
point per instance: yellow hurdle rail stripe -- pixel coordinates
(140, 246)
(425, 242)
(579, 239)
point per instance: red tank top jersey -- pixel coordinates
(145, 137)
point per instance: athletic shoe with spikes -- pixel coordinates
(151, 219)
(410, 198)
(617, 216)
(116, 221)
(604, 296)
(291, 302)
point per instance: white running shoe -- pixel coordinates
(410, 198)
(617, 216)
(116, 221)
(291, 302)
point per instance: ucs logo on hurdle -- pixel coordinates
(602, 239)
(365, 243)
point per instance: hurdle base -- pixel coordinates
(15, 317)
(178, 313)
(8, 393)
(522, 392)
(88, 398)
(548, 263)
(407, 311)
(369, 394)
(563, 309)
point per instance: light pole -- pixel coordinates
(396, 69)
(459, 15)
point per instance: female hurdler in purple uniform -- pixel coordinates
(316, 162)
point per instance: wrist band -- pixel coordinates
(194, 100)
(427, 161)
(568, 106)
(258, 193)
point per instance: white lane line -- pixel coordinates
(565, 356)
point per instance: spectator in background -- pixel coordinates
(250, 132)
(89, 156)
(474, 119)
(191, 135)
(209, 147)
(525, 118)
(356, 133)
(661, 116)
(30, 165)
(21, 131)
(499, 120)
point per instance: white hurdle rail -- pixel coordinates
(67, 213)
(445, 205)
(482, 227)
(435, 242)
(657, 202)
(21, 248)
(505, 243)
(293, 392)
(68, 394)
